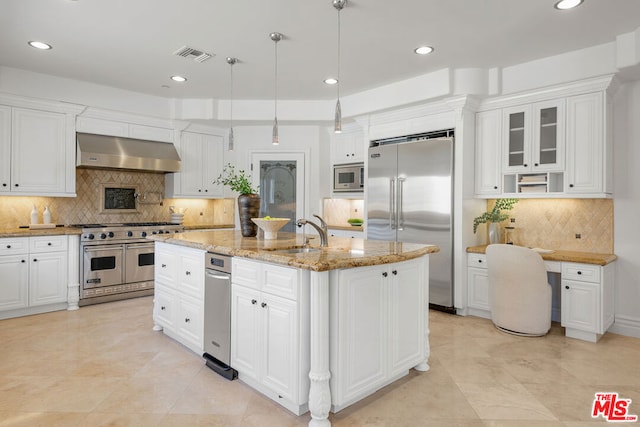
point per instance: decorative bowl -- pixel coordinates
(270, 226)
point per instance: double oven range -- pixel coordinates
(117, 261)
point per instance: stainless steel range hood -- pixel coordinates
(114, 152)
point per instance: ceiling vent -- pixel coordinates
(195, 54)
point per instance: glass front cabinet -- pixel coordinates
(534, 137)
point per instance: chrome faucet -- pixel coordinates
(320, 229)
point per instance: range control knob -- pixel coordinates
(91, 237)
(154, 232)
(143, 234)
(110, 234)
(103, 236)
(129, 233)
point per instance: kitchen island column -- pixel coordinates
(319, 374)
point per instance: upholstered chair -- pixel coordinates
(519, 294)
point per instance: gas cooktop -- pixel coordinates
(122, 224)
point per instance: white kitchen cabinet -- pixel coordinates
(589, 154)
(5, 149)
(534, 137)
(478, 286)
(100, 126)
(587, 301)
(34, 272)
(36, 152)
(178, 306)
(270, 320)
(202, 157)
(48, 262)
(488, 170)
(346, 233)
(14, 287)
(377, 313)
(347, 147)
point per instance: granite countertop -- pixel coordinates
(560, 255)
(342, 252)
(207, 226)
(27, 232)
(345, 227)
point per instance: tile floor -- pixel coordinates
(104, 366)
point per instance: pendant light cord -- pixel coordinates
(276, 80)
(338, 86)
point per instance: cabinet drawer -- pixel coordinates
(477, 260)
(47, 244)
(581, 272)
(280, 281)
(246, 273)
(14, 245)
(166, 266)
(164, 306)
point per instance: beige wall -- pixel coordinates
(554, 223)
(338, 211)
(85, 208)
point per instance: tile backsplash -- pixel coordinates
(554, 224)
(338, 211)
(85, 207)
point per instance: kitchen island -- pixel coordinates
(338, 322)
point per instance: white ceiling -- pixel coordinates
(128, 44)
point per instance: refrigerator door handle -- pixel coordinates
(392, 203)
(400, 204)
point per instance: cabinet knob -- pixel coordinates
(535, 164)
(199, 190)
(495, 187)
(206, 191)
(17, 185)
(566, 287)
(4, 184)
(525, 165)
(187, 320)
(384, 274)
(163, 265)
(35, 260)
(579, 273)
(8, 246)
(49, 244)
(479, 261)
(188, 273)
(263, 305)
(23, 261)
(395, 272)
(571, 185)
(163, 308)
(254, 301)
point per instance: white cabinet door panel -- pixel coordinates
(5, 149)
(247, 331)
(47, 278)
(38, 151)
(14, 286)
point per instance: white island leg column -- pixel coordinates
(319, 392)
(424, 366)
(73, 271)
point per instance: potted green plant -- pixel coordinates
(494, 217)
(248, 200)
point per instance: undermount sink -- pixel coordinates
(297, 250)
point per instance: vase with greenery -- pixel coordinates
(248, 200)
(494, 217)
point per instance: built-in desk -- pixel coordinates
(584, 285)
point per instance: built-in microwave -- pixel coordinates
(349, 177)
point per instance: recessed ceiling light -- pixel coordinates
(178, 79)
(331, 81)
(568, 4)
(423, 50)
(40, 45)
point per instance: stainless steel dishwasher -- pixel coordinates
(217, 315)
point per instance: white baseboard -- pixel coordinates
(626, 325)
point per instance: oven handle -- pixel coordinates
(102, 248)
(140, 245)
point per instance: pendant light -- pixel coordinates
(337, 120)
(231, 62)
(276, 37)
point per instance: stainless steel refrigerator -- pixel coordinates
(409, 199)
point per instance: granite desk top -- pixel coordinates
(341, 253)
(566, 256)
(27, 232)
